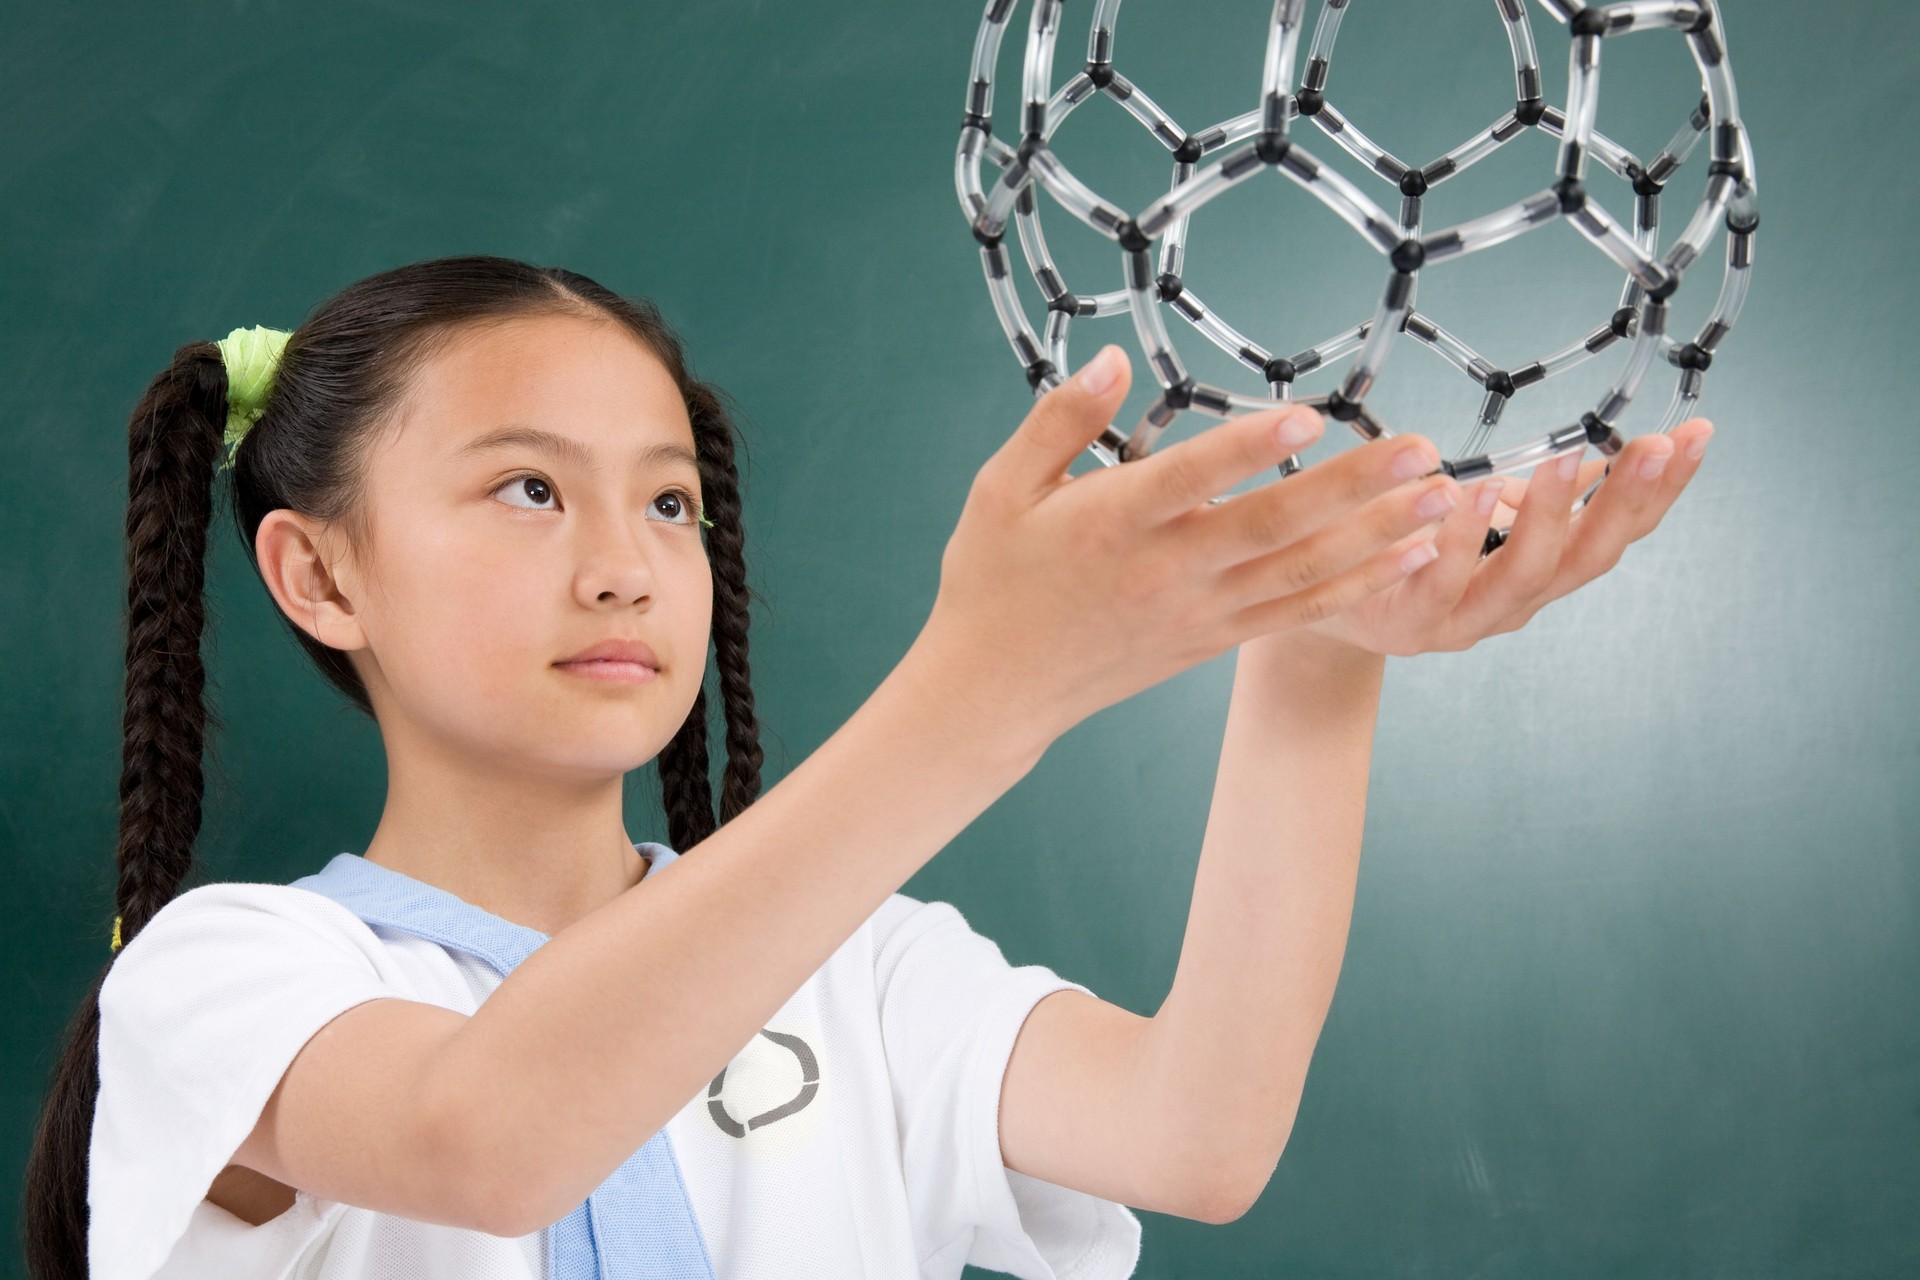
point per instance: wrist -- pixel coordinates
(971, 707)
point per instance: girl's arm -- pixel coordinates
(1059, 595)
(1208, 1087)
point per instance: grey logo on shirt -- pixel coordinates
(810, 1085)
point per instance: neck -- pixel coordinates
(535, 850)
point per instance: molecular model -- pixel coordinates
(1267, 138)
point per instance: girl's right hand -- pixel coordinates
(1061, 595)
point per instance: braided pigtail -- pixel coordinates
(173, 443)
(686, 793)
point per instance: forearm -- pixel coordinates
(1272, 901)
(591, 1045)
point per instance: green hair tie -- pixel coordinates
(252, 356)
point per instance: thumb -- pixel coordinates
(1065, 421)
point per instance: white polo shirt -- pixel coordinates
(889, 1168)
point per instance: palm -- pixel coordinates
(1459, 599)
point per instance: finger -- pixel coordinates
(1344, 543)
(1174, 481)
(1379, 572)
(1285, 511)
(1524, 567)
(1645, 481)
(1062, 423)
(1427, 600)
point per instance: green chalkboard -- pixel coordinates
(1633, 983)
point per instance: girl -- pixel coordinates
(507, 1040)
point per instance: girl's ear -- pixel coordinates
(308, 578)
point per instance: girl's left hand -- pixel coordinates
(1460, 598)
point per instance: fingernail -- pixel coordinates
(1654, 463)
(1699, 445)
(1298, 427)
(1411, 462)
(1419, 557)
(1434, 505)
(1569, 466)
(1487, 497)
(1100, 372)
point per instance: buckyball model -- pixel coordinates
(1266, 138)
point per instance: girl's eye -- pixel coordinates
(535, 487)
(684, 503)
(685, 506)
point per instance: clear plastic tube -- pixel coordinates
(1000, 197)
(1451, 349)
(1320, 55)
(1622, 162)
(1526, 59)
(1075, 196)
(1639, 360)
(1474, 149)
(1229, 170)
(1681, 253)
(1520, 457)
(1641, 15)
(1583, 101)
(1038, 78)
(1395, 303)
(986, 52)
(1599, 226)
(1033, 243)
(1173, 245)
(1220, 333)
(1283, 37)
(1357, 144)
(1493, 228)
(1006, 304)
(1100, 39)
(1077, 89)
(966, 171)
(1146, 111)
(1484, 423)
(1055, 336)
(1228, 132)
(1345, 199)
(1567, 357)
(1149, 327)
(1726, 309)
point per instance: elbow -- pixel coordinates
(1229, 1199)
(487, 1187)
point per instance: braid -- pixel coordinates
(173, 439)
(172, 445)
(686, 794)
(740, 786)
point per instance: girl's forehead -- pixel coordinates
(565, 374)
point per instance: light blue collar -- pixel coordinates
(639, 1224)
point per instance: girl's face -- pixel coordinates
(538, 496)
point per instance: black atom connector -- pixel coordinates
(1340, 408)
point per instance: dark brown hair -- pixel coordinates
(340, 376)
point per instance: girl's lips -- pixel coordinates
(606, 669)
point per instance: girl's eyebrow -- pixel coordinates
(570, 450)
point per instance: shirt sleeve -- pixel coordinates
(200, 1015)
(951, 1008)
